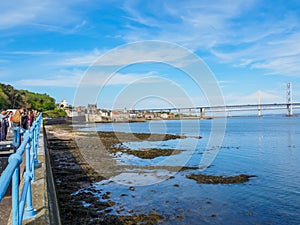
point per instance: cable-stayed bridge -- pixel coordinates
(227, 109)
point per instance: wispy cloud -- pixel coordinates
(51, 15)
(191, 23)
(222, 29)
(76, 78)
(78, 58)
(153, 51)
(279, 55)
(64, 78)
(100, 80)
(268, 96)
(27, 52)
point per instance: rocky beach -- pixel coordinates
(81, 161)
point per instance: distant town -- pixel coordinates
(91, 113)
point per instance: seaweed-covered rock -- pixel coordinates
(210, 179)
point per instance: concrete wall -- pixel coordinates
(43, 189)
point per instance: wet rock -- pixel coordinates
(131, 188)
(210, 179)
(106, 195)
(119, 210)
(250, 213)
(152, 153)
(78, 200)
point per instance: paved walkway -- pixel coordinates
(39, 190)
(5, 204)
(4, 213)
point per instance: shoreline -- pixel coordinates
(79, 120)
(80, 202)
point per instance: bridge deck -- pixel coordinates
(265, 106)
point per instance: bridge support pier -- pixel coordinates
(202, 113)
(290, 110)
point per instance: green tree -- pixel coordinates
(13, 98)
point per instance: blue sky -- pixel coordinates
(47, 46)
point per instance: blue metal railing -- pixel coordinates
(12, 172)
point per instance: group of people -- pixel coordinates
(18, 118)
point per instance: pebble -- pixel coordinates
(250, 213)
(131, 188)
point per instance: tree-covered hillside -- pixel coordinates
(11, 98)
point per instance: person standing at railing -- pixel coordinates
(16, 118)
(1, 118)
(4, 125)
(10, 123)
(30, 118)
(24, 119)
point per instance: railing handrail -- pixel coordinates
(11, 172)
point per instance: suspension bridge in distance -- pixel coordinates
(226, 110)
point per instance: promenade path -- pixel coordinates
(39, 190)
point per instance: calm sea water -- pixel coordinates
(268, 147)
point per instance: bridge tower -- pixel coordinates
(289, 99)
(258, 105)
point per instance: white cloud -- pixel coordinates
(145, 52)
(78, 59)
(285, 65)
(191, 23)
(48, 14)
(75, 78)
(153, 51)
(98, 79)
(3, 61)
(28, 53)
(269, 96)
(60, 79)
(280, 56)
(221, 28)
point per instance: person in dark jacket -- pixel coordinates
(4, 125)
(24, 119)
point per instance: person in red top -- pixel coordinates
(31, 118)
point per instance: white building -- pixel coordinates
(63, 104)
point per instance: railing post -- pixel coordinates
(29, 211)
(15, 189)
(36, 133)
(32, 155)
(12, 172)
